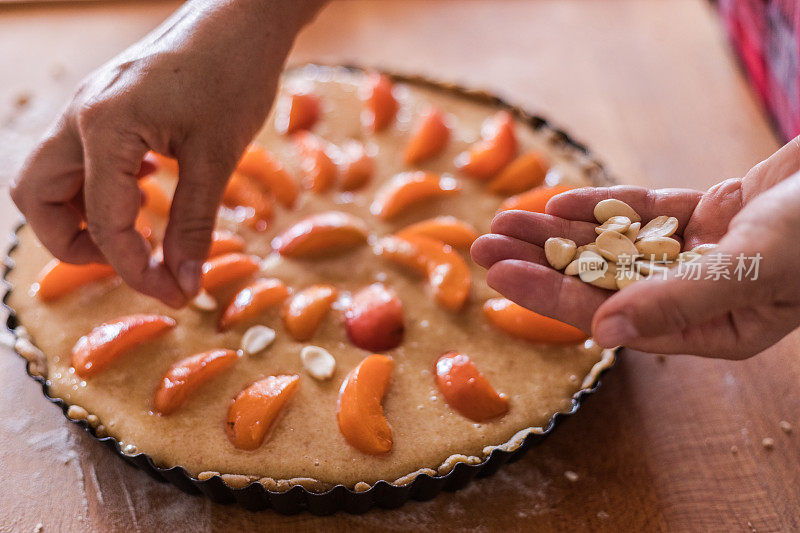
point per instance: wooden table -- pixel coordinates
(653, 89)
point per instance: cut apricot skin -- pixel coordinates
(319, 170)
(321, 234)
(357, 169)
(252, 300)
(242, 192)
(156, 198)
(58, 279)
(528, 325)
(300, 113)
(447, 273)
(408, 189)
(494, 151)
(466, 390)
(428, 139)
(107, 342)
(255, 410)
(380, 104)
(225, 242)
(226, 269)
(360, 416)
(447, 229)
(525, 172)
(187, 375)
(535, 199)
(305, 311)
(262, 166)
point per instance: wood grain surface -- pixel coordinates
(653, 89)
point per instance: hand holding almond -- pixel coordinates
(197, 88)
(710, 316)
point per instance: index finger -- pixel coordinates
(648, 203)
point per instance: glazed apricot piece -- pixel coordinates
(528, 325)
(449, 230)
(107, 342)
(187, 375)
(242, 192)
(410, 188)
(535, 199)
(255, 410)
(305, 310)
(156, 198)
(225, 269)
(497, 147)
(357, 168)
(225, 242)
(319, 170)
(297, 112)
(262, 166)
(58, 279)
(429, 138)
(374, 319)
(380, 104)
(252, 301)
(466, 390)
(321, 234)
(447, 273)
(361, 419)
(523, 173)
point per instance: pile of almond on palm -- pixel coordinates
(624, 251)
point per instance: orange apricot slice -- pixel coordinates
(535, 199)
(255, 410)
(361, 419)
(526, 324)
(321, 234)
(357, 167)
(107, 342)
(225, 269)
(380, 104)
(297, 112)
(497, 147)
(58, 279)
(169, 164)
(225, 242)
(156, 198)
(252, 300)
(449, 230)
(262, 166)
(428, 139)
(242, 192)
(466, 390)
(187, 375)
(523, 173)
(410, 188)
(447, 272)
(305, 310)
(319, 170)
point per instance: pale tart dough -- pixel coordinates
(306, 441)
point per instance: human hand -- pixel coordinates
(197, 88)
(726, 318)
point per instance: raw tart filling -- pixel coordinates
(340, 230)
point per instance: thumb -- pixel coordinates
(692, 294)
(202, 177)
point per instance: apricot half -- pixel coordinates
(497, 147)
(252, 301)
(321, 234)
(58, 279)
(526, 324)
(449, 230)
(409, 188)
(466, 390)
(380, 104)
(262, 166)
(361, 419)
(305, 310)
(225, 269)
(187, 375)
(429, 138)
(255, 410)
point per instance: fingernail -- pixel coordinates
(189, 277)
(615, 330)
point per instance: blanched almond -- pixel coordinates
(318, 362)
(633, 231)
(587, 248)
(591, 266)
(627, 276)
(613, 207)
(659, 248)
(616, 247)
(204, 301)
(619, 224)
(608, 280)
(559, 252)
(572, 269)
(662, 226)
(256, 339)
